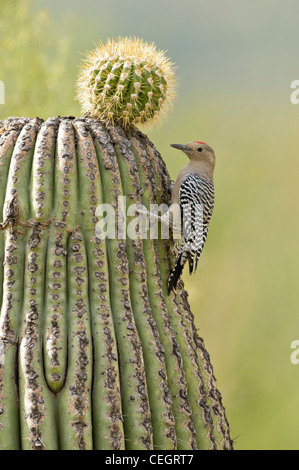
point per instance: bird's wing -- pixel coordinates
(196, 197)
(192, 211)
(196, 201)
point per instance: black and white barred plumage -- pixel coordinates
(196, 198)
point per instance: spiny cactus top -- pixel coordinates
(126, 82)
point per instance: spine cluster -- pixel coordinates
(126, 82)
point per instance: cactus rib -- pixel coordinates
(65, 220)
(107, 413)
(16, 205)
(74, 401)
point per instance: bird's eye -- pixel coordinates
(199, 149)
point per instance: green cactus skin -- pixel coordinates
(36, 400)
(9, 414)
(65, 220)
(106, 401)
(74, 401)
(15, 208)
(126, 81)
(106, 360)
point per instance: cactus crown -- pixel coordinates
(126, 82)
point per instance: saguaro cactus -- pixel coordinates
(94, 354)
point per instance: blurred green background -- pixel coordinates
(236, 61)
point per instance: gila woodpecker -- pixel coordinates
(193, 194)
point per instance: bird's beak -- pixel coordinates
(180, 147)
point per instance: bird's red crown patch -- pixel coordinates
(196, 142)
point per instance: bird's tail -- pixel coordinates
(179, 266)
(177, 271)
(175, 275)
